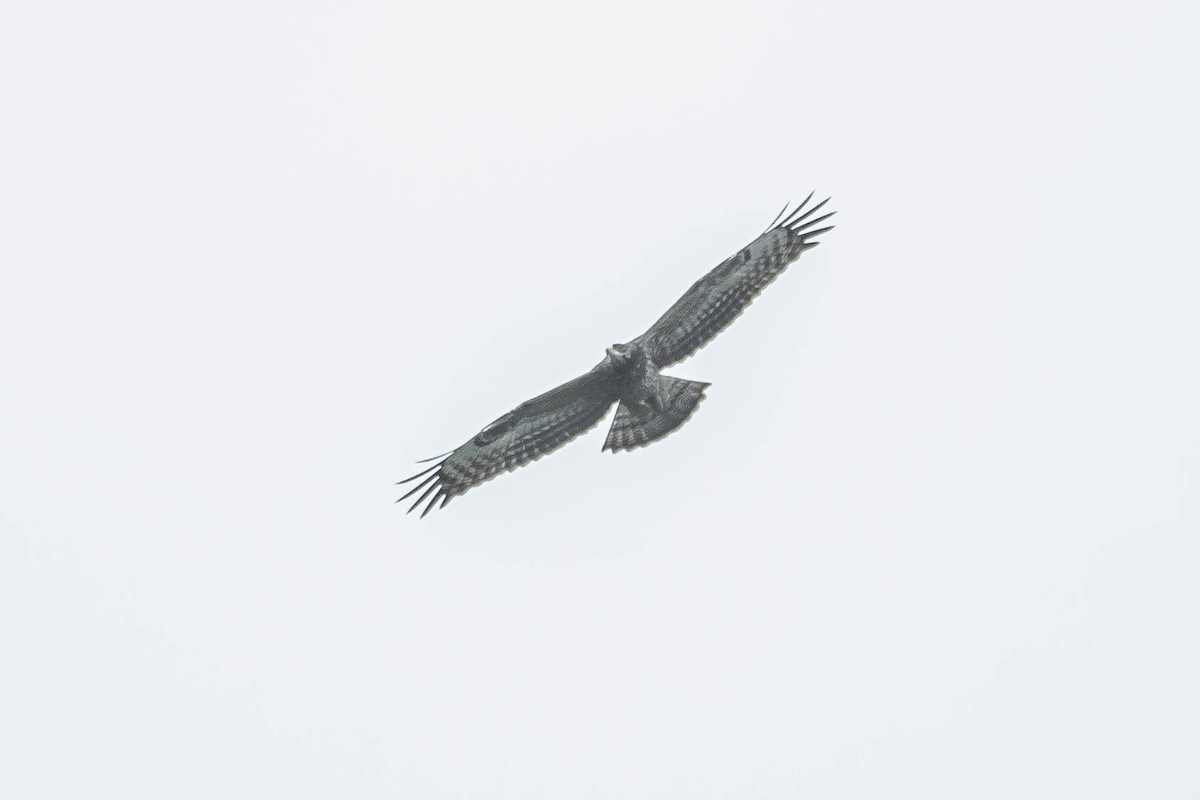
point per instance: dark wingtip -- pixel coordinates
(421, 499)
(429, 507)
(778, 216)
(431, 479)
(796, 210)
(811, 222)
(434, 458)
(419, 474)
(795, 221)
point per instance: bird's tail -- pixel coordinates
(636, 426)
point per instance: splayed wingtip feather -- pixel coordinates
(797, 210)
(419, 474)
(811, 222)
(419, 487)
(793, 223)
(432, 502)
(421, 499)
(778, 216)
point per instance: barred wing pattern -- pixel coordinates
(528, 432)
(718, 298)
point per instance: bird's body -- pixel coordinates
(636, 379)
(650, 404)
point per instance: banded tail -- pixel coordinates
(637, 426)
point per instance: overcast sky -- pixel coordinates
(934, 533)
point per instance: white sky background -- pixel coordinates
(934, 532)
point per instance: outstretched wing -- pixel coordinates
(719, 297)
(528, 432)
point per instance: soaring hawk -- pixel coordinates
(651, 405)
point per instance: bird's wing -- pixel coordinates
(528, 432)
(719, 297)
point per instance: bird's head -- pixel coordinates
(619, 354)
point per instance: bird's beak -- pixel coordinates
(612, 352)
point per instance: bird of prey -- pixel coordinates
(651, 405)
